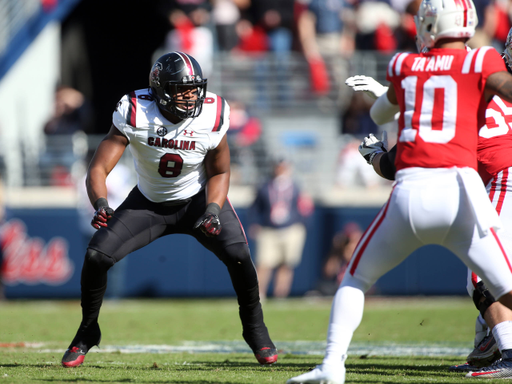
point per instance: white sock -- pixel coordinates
(346, 315)
(503, 335)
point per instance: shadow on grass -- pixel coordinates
(193, 381)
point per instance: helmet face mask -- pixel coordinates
(444, 19)
(177, 82)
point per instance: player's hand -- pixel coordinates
(366, 84)
(371, 146)
(209, 224)
(103, 213)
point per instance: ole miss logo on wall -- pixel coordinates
(30, 260)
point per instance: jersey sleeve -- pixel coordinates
(124, 115)
(491, 61)
(221, 125)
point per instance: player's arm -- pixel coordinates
(385, 108)
(217, 163)
(218, 171)
(499, 83)
(104, 160)
(384, 164)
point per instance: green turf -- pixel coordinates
(171, 322)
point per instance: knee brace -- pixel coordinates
(482, 297)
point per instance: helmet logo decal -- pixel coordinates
(161, 131)
(155, 73)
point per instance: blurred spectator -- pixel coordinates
(343, 245)
(226, 14)
(352, 169)
(251, 38)
(496, 22)
(71, 113)
(376, 24)
(271, 24)
(276, 19)
(279, 209)
(244, 138)
(65, 135)
(406, 33)
(326, 33)
(190, 34)
(356, 119)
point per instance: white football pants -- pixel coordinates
(448, 207)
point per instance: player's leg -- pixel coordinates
(109, 245)
(497, 316)
(231, 247)
(486, 349)
(488, 258)
(384, 245)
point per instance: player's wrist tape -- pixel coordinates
(101, 202)
(372, 155)
(213, 208)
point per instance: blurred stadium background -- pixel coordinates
(286, 106)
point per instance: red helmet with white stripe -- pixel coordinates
(173, 74)
(444, 19)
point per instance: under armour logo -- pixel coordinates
(186, 132)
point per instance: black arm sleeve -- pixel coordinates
(387, 164)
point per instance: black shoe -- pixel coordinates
(263, 348)
(85, 339)
(266, 355)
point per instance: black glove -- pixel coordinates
(103, 213)
(209, 222)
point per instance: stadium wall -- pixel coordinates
(44, 248)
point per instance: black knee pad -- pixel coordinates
(97, 261)
(482, 298)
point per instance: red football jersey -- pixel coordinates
(442, 105)
(495, 139)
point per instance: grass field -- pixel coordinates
(401, 340)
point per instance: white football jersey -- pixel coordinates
(169, 157)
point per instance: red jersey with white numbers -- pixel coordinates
(495, 139)
(442, 105)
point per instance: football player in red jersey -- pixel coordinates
(493, 326)
(176, 132)
(438, 196)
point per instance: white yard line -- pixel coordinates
(291, 347)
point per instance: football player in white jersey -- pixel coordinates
(493, 327)
(176, 132)
(438, 197)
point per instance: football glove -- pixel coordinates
(371, 146)
(366, 84)
(209, 222)
(103, 213)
